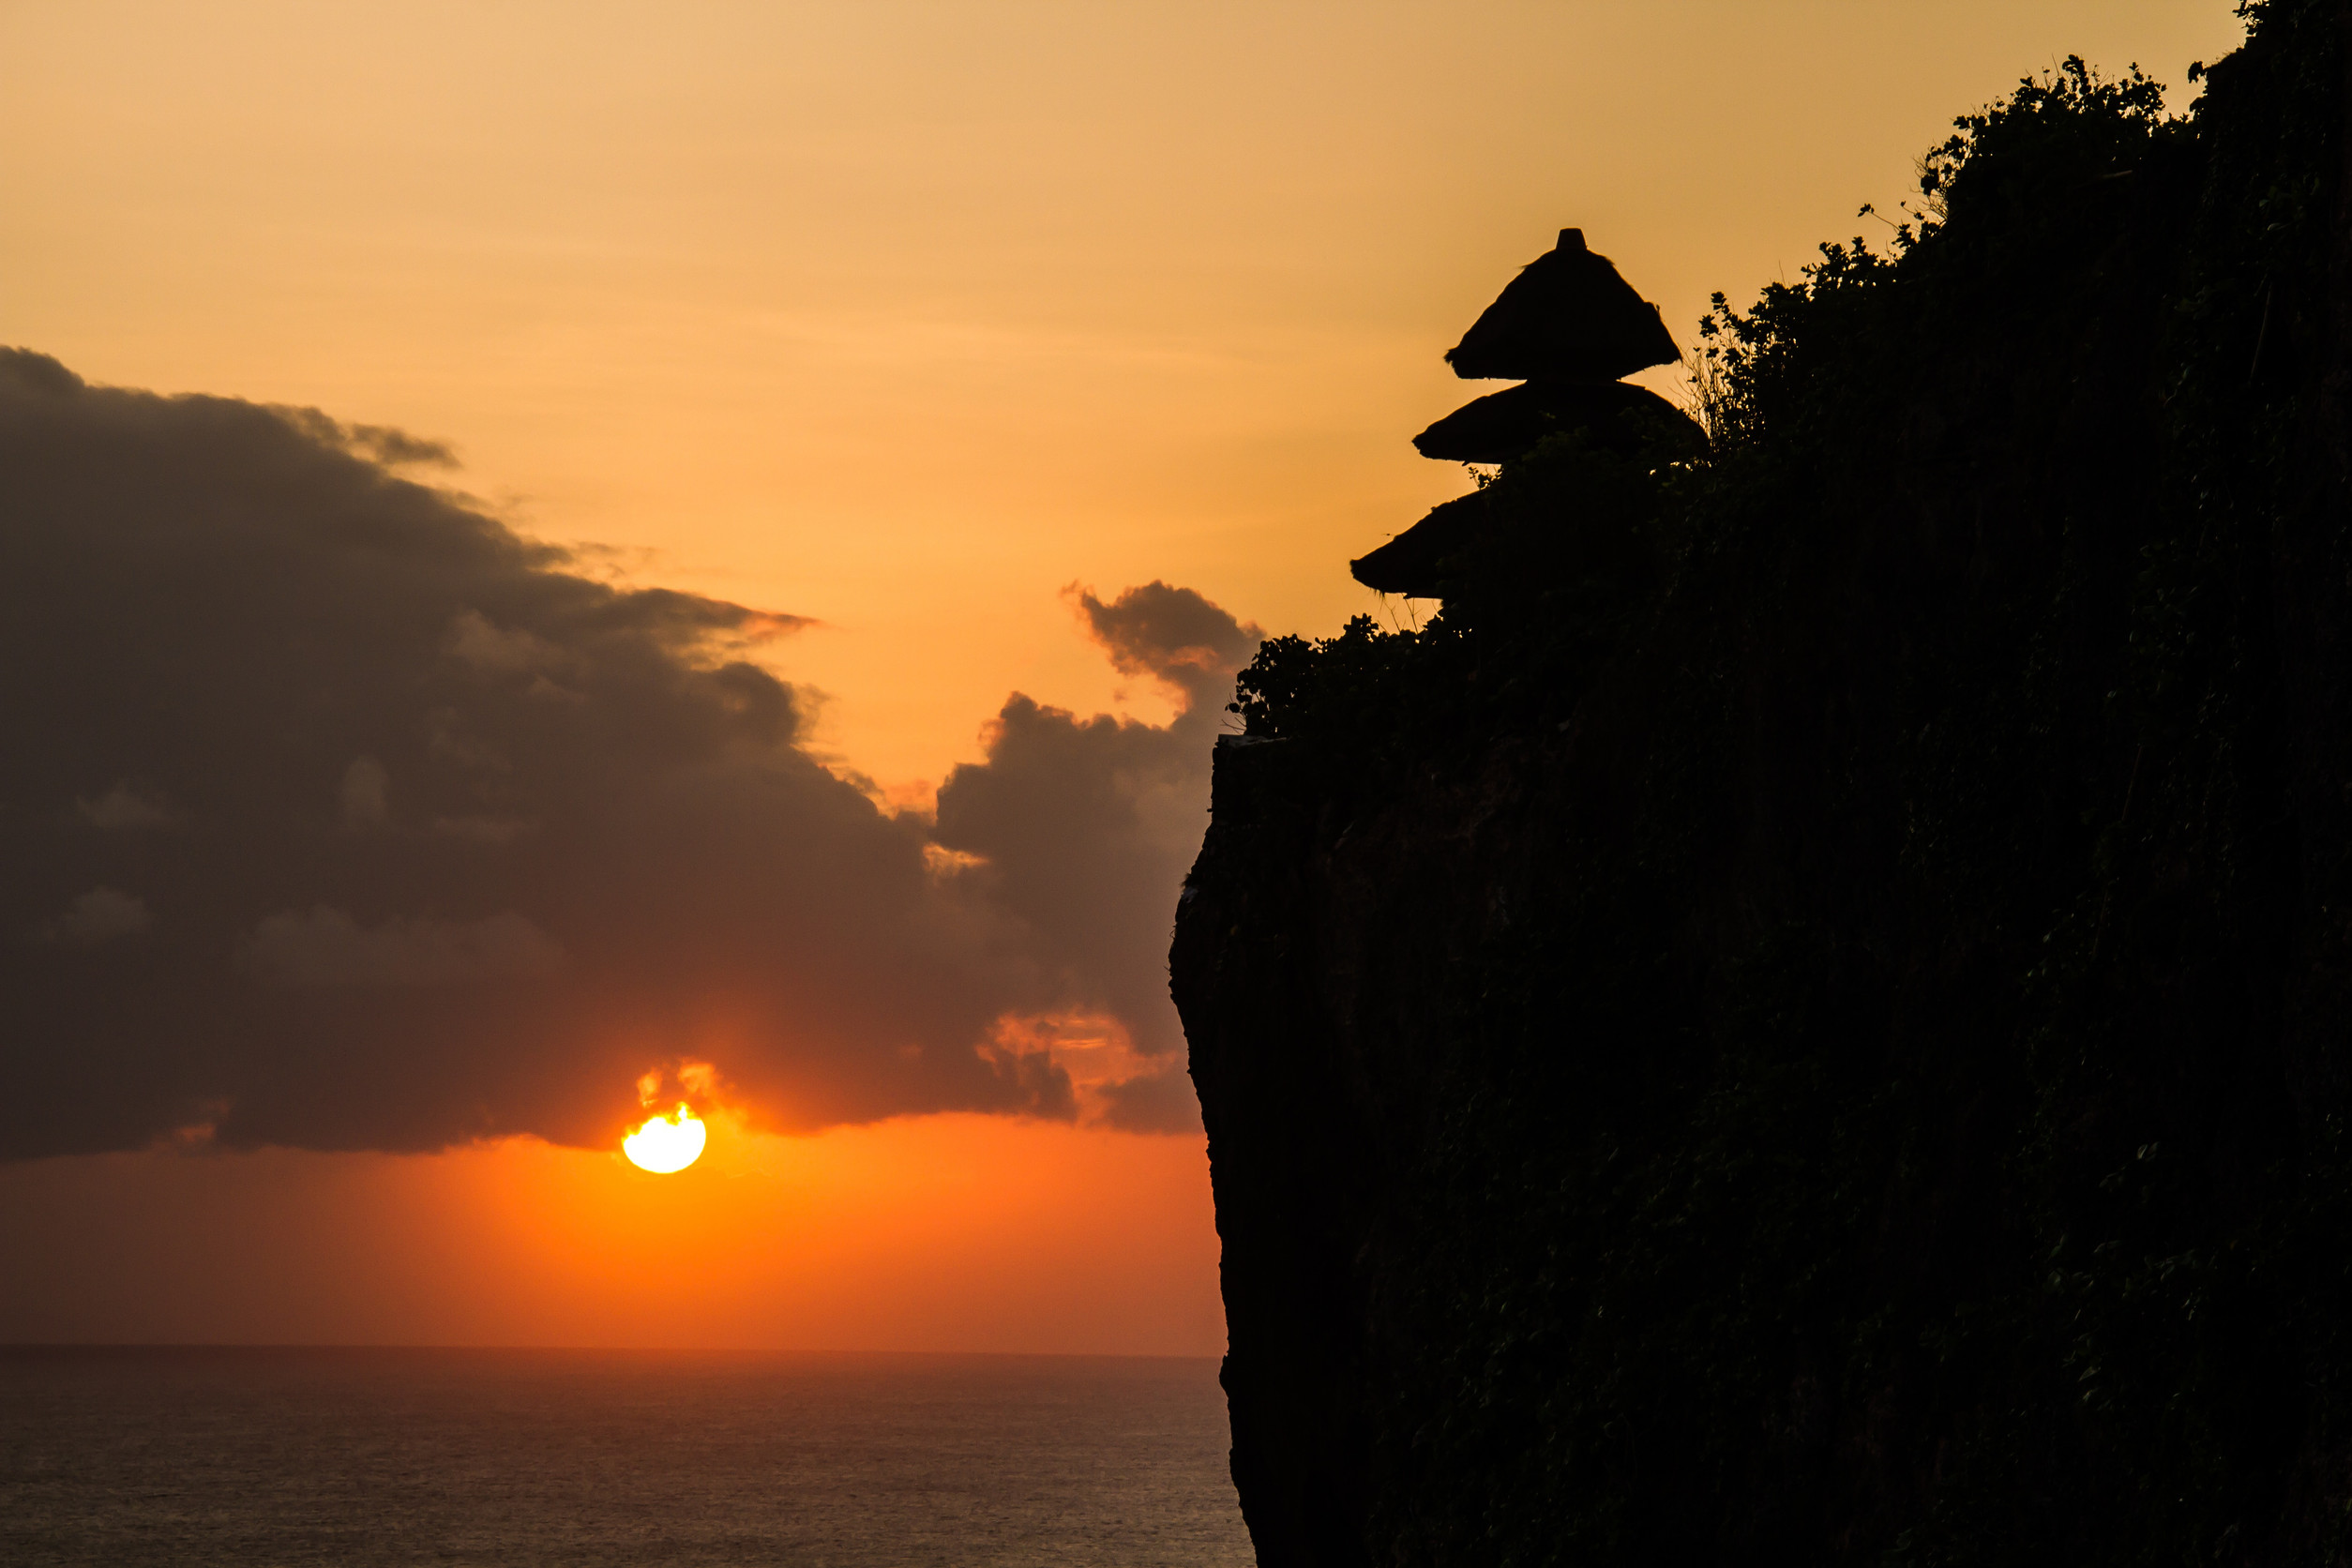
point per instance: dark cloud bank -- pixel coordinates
(338, 816)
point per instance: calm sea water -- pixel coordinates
(129, 1457)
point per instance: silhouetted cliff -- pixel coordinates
(1807, 1016)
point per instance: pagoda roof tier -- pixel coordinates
(1568, 315)
(1506, 425)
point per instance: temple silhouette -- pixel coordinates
(1569, 329)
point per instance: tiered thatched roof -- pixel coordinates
(1569, 327)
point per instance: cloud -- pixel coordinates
(1175, 635)
(123, 807)
(463, 838)
(1082, 828)
(498, 650)
(327, 947)
(102, 914)
(380, 443)
(366, 795)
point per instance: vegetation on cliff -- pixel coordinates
(1834, 958)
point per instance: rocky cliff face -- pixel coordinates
(1808, 1019)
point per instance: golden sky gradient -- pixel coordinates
(900, 317)
(940, 1233)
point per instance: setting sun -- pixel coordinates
(666, 1144)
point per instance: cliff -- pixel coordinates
(1807, 1016)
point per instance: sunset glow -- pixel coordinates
(741, 587)
(666, 1144)
(960, 1232)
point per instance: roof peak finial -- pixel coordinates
(1567, 316)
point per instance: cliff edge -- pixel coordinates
(1807, 1016)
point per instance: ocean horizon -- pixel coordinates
(134, 1454)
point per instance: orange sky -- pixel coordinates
(937, 1233)
(900, 316)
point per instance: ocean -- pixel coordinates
(201, 1456)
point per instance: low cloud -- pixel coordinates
(499, 651)
(102, 914)
(327, 947)
(457, 838)
(124, 808)
(1069, 817)
(366, 795)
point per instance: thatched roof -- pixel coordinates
(1413, 564)
(1505, 424)
(1567, 314)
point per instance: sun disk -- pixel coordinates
(666, 1144)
